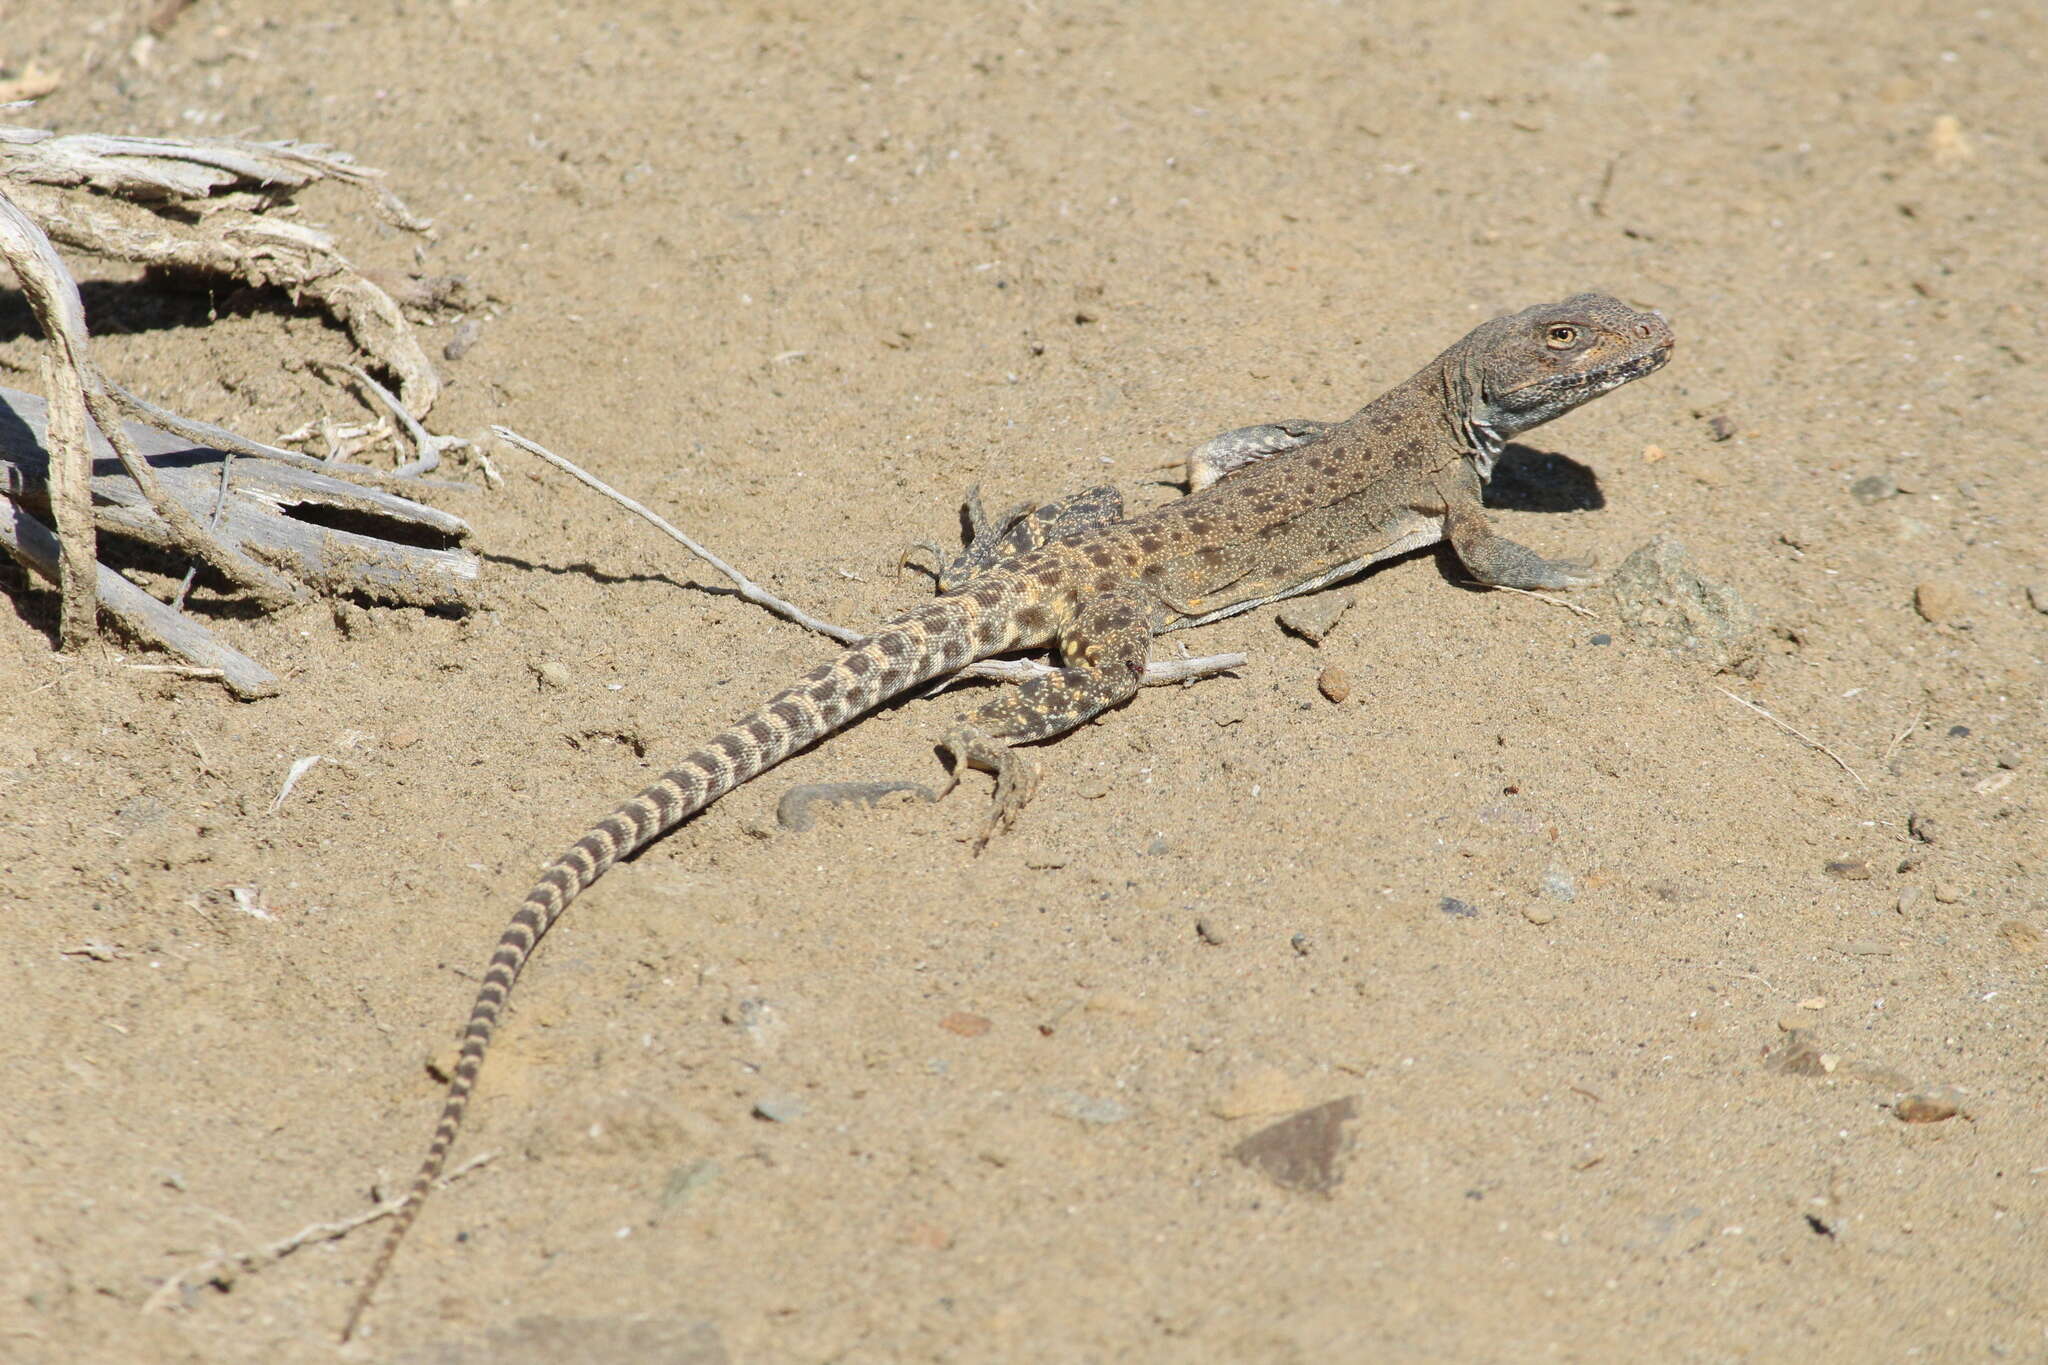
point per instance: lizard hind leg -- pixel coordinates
(1104, 649)
(995, 541)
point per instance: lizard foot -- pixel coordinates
(1573, 573)
(1017, 776)
(908, 559)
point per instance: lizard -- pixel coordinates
(1274, 511)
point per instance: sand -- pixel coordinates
(1630, 1066)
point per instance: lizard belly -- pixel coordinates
(1411, 532)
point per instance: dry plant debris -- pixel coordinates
(93, 457)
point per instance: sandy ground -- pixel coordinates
(797, 281)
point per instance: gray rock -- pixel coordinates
(1873, 488)
(1663, 601)
(1942, 602)
(583, 1341)
(1304, 1151)
(1314, 617)
(1071, 1104)
(779, 1108)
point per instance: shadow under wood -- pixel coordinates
(157, 301)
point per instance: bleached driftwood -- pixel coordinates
(251, 519)
(92, 456)
(253, 516)
(202, 206)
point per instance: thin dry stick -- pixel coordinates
(427, 444)
(220, 505)
(1158, 673)
(258, 1257)
(746, 586)
(1797, 734)
(1539, 596)
(1901, 736)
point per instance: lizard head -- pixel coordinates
(1522, 370)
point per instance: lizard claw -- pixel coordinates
(905, 560)
(1575, 573)
(1017, 776)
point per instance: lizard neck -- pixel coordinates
(1436, 414)
(1464, 409)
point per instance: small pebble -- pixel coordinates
(2037, 597)
(1791, 1023)
(2020, 936)
(1141, 1012)
(1334, 683)
(1313, 618)
(1948, 893)
(685, 1180)
(1559, 886)
(1207, 931)
(1873, 488)
(1652, 454)
(1458, 909)
(1603, 638)
(1306, 1151)
(2011, 759)
(1814, 1002)
(1089, 1108)
(1538, 914)
(1257, 1095)
(965, 1024)
(1720, 428)
(1927, 1107)
(1922, 827)
(1941, 601)
(465, 336)
(1909, 899)
(1849, 869)
(552, 673)
(1948, 144)
(779, 1108)
(1800, 1056)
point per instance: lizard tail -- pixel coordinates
(937, 638)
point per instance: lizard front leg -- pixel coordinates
(1493, 559)
(1233, 450)
(1103, 649)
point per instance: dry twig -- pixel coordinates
(1539, 596)
(1796, 734)
(87, 414)
(222, 1267)
(218, 191)
(1903, 735)
(1158, 673)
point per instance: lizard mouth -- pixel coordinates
(1574, 389)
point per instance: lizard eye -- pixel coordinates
(1560, 336)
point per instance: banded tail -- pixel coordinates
(935, 639)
